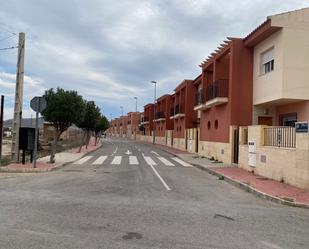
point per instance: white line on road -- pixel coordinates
(115, 151)
(117, 160)
(83, 160)
(182, 162)
(133, 160)
(149, 162)
(100, 160)
(154, 152)
(165, 161)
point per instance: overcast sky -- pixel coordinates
(109, 51)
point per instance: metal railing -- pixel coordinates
(199, 97)
(160, 115)
(219, 88)
(280, 137)
(178, 109)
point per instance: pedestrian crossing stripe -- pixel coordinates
(183, 163)
(133, 160)
(165, 161)
(117, 160)
(100, 160)
(83, 160)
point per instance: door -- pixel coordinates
(236, 145)
(196, 140)
(265, 120)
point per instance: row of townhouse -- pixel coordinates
(126, 126)
(245, 104)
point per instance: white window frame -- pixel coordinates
(267, 65)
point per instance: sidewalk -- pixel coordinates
(43, 165)
(258, 185)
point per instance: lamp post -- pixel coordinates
(154, 111)
(135, 104)
(121, 108)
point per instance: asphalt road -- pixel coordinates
(130, 195)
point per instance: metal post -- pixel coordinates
(154, 111)
(135, 104)
(35, 151)
(1, 126)
(18, 105)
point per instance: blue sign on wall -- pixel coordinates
(301, 127)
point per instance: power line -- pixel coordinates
(1, 49)
(7, 37)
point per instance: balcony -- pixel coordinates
(177, 112)
(160, 116)
(217, 93)
(145, 120)
(199, 101)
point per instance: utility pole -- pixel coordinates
(135, 104)
(154, 112)
(18, 106)
(1, 125)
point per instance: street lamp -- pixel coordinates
(135, 104)
(154, 111)
(121, 108)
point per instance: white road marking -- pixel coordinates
(115, 151)
(117, 160)
(149, 162)
(154, 152)
(128, 152)
(270, 245)
(133, 160)
(165, 161)
(83, 160)
(100, 160)
(182, 162)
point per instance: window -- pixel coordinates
(267, 61)
(288, 119)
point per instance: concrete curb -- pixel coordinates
(245, 186)
(44, 170)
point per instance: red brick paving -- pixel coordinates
(265, 185)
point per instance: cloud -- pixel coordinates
(109, 51)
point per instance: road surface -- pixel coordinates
(131, 195)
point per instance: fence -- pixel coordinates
(219, 88)
(280, 137)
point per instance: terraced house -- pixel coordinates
(163, 123)
(182, 113)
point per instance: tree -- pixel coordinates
(63, 109)
(101, 125)
(88, 121)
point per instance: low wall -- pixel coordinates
(161, 140)
(290, 165)
(179, 143)
(144, 138)
(191, 140)
(219, 151)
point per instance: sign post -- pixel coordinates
(38, 104)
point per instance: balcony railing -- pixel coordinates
(218, 89)
(178, 109)
(159, 115)
(199, 97)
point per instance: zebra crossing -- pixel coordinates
(132, 160)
